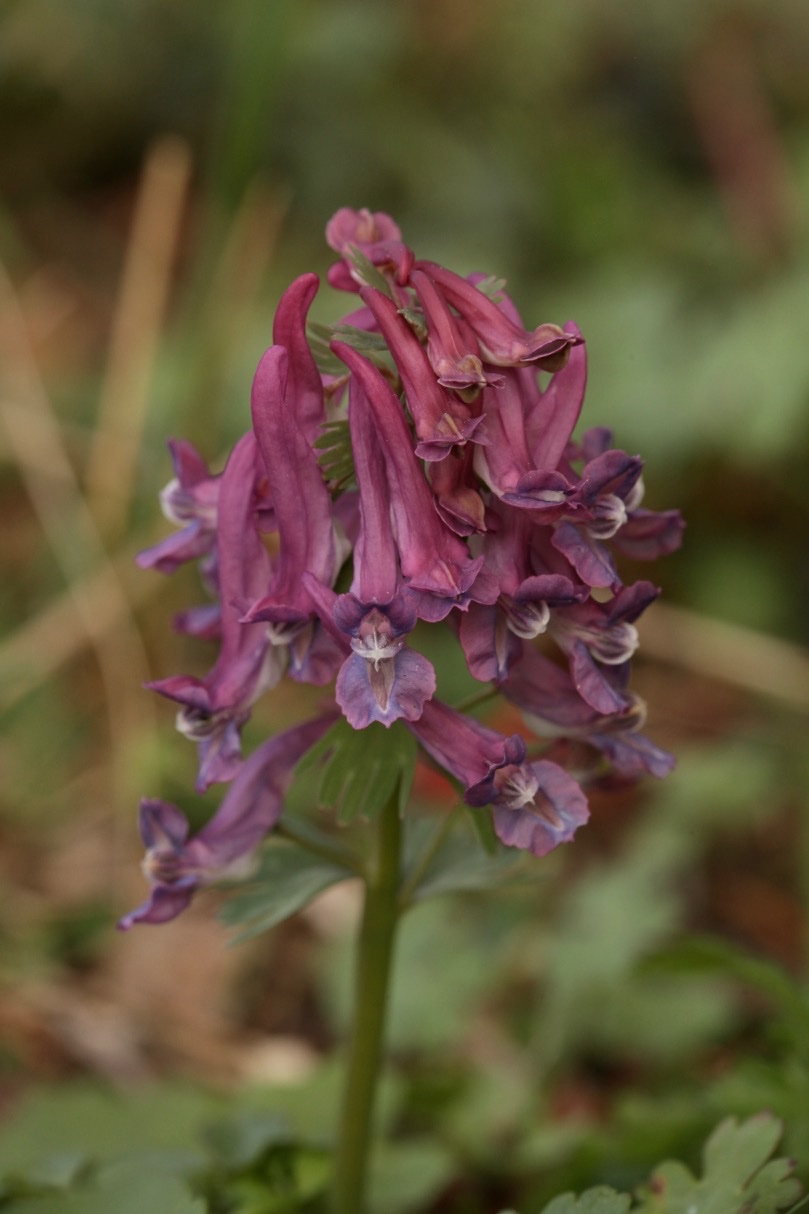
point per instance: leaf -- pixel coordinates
(363, 768)
(406, 1176)
(335, 453)
(492, 287)
(366, 271)
(287, 880)
(707, 954)
(50, 1125)
(125, 1187)
(600, 1200)
(738, 1179)
(363, 340)
(319, 338)
(238, 1141)
(461, 867)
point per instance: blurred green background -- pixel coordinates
(166, 167)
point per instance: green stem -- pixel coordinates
(373, 968)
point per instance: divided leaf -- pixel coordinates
(287, 880)
(600, 1200)
(738, 1179)
(362, 769)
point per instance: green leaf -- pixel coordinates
(238, 1141)
(361, 339)
(362, 768)
(405, 1176)
(711, 955)
(461, 867)
(51, 1125)
(335, 453)
(126, 1187)
(600, 1200)
(481, 820)
(319, 338)
(366, 271)
(492, 287)
(288, 879)
(738, 1179)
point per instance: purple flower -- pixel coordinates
(303, 378)
(176, 866)
(535, 806)
(442, 421)
(381, 679)
(600, 638)
(190, 502)
(214, 709)
(468, 750)
(374, 234)
(303, 515)
(452, 347)
(432, 558)
(502, 341)
(553, 708)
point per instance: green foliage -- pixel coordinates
(737, 1179)
(360, 770)
(287, 880)
(336, 455)
(595, 1201)
(366, 272)
(127, 1187)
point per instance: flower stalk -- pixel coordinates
(371, 988)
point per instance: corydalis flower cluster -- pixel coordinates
(424, 463)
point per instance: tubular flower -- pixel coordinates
(177, 865)
(214, 709)
(412, 468)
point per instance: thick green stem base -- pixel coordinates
(373, 969)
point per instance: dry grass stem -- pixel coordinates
(729, 652)
(136, 329)
(37, 446)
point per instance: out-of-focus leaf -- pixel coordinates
(287, 880)
(737, 1180)
(125, 1187)
(600, 1200)
(711, 955)
(461, 867)
(239, 1140)
(405, 1176)
(362, 768)
(89, 1121)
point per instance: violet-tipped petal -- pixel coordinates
(537, 806)
(176, 865)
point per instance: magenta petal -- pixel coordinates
(468, 750)
(301, 499)
(376, 568)
(551, 419)
(289, 330)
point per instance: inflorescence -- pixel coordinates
(419, 456)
